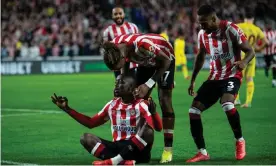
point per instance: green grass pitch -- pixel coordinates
(30, 135)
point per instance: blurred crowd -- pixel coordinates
(34, 28)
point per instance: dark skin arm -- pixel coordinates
(89, 122)
(163, 63)
(249, 55)
(125, 69)
(199, 61)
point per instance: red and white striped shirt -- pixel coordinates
(126, 119)
(114, 30)
(271, 48)
(222, 47)
(153, 43)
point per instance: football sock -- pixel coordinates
(185, 71)
(196, 128)
(240, 139)
(249, 91)
(233, 117)
(117, 159)
(203, 151)
(168, 119)
(100, 150)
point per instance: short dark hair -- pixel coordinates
(118, 6)
(180, 32)
(133, 83)
(206, 10)
(249, 13)
(112, 54)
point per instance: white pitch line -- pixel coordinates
(28, 114)
(16, 163)
(30, 110)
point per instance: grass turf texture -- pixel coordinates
(54, 138)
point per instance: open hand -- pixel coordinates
(142, 91)
(61, 102)
(191, 89)
(240, 64)
(152, 106)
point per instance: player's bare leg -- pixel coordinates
(94, 145)
(227, 102)
(197, 132)
(237, 100)
(168, 119)
(185, 71)
(249, 92)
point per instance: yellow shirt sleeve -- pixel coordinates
(260, 34)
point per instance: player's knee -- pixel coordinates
(228, 108)
(249, 79)
(227, 97)
(84, 138)
(148, 135)
(88, 139)
(165, 100)
(166, 114)
(198, 105)
(194, 113)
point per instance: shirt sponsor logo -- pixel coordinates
(131, 129)
(224, 56)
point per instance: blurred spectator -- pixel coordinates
(24, 51)
(34, 50)
(4, 51)
(73, 27)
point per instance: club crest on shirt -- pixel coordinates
(123, 121)
(132, 112)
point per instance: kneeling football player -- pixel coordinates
(133, 122)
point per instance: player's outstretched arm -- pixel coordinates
(199, 61)
(90, 122)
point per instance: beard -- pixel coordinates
(119, 23)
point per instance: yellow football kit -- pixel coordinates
(180, 57)
(253, 34)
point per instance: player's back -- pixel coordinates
(179, 47)
(252, 32)
(151, 42)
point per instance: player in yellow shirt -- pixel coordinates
(179, 52)
(165, 35)
(165, 32)
(253, 34)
